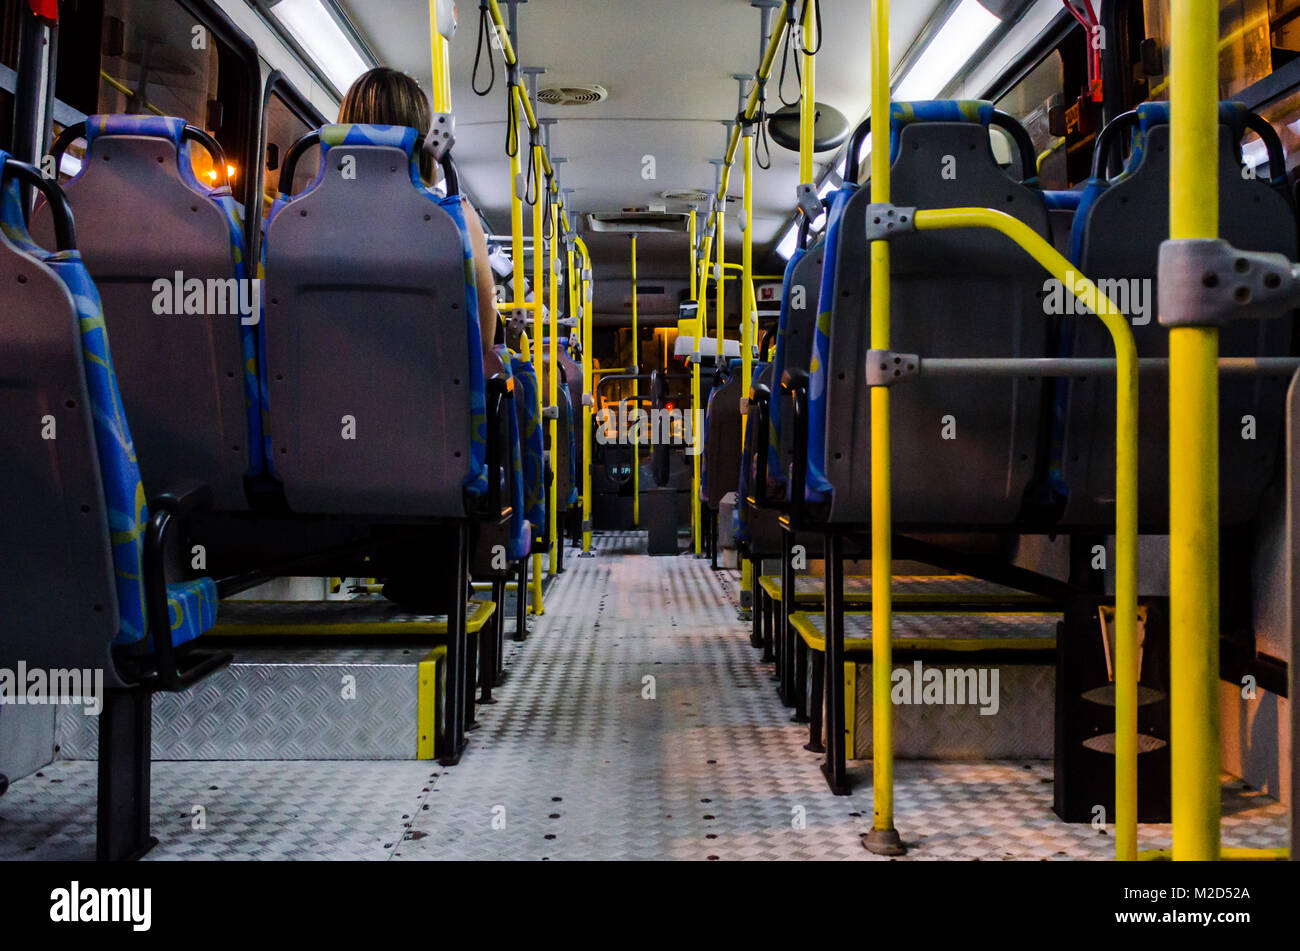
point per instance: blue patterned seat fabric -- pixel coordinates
(192, 604)
(530, 440)
(521, 535)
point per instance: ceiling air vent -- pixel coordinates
(688, 195)
(585, 95)
(630, 221)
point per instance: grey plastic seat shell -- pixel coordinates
(1121, 241)
(722, 444)
(57, 588)
(366, 336)
(181, 377)
(573, 377)
(800, 328)
(965, 293)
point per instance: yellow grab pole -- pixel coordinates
(538, 607)
(516, 219)
(1194, 447)
(441, 74)
(701, 326)
(719, 318)
(588, 402)
(571, 288)
(553, 390)
(883, 834)
(1126, 480)
(695, 404)
(747, 284)
(807, 97)
(636, 395)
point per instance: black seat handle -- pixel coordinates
(764, 346)
(65, 232)
(296, 151)
(1107, 138)
(1008, 123)
(78, 131)
(1024, 144)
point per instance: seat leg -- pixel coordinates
(713, 539)
(835, 766)
(521, 600)
(784, 631)
(800, 680)
(473, 671)
(499, 631)
(756, 620)
(487, 659)
(815, 703)
(458, 661)
(125, 735)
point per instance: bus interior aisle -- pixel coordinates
(636, 723)
(652, 430)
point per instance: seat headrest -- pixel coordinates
(979, 111)
(403, 138)
(158, 127)
(358, 133)
(1153, 114)
(903, 114)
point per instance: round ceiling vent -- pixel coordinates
(585, 95)
(688, 195)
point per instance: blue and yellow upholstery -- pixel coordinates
(172, 129)
(521, 535)
(128, 514)
(531, 444)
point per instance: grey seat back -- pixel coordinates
(722, 444)
(573, 376)
(58, 603)
(141, 219)
(967, 293)
(366, 343)
(796, 343)
(1120, 242)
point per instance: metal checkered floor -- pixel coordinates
(637, 722)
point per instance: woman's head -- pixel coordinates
(384, 96)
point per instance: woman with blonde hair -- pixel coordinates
(384, 96)
(416, 577)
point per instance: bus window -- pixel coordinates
(9, 21)
(1031, 101)
(161, 57)
(1245, 53)
(287, 119)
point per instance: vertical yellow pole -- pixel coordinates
(584, 292)
(553, 395)
(538, 295)
(701, 327)
(516, 215)
(636, 395)
(882, 712)
(441, 73)
(1194, 446)
(572, 287)
(807, 98)
(720, 276)
(696, 416)
(747, 282)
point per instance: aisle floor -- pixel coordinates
(636, 722)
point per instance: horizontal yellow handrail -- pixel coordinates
(1126, 472)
